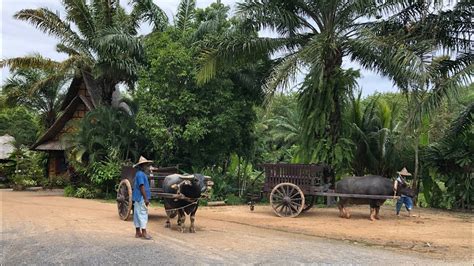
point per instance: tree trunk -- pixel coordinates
(238, 173)
(244, 178)
(333, 67)
(415, 172)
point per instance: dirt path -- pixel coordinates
(43, 227)
(437, 234)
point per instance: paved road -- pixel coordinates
(40, 228)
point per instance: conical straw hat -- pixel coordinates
(142, 160)
(404, 172)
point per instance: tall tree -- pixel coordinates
(436, 60)
(101, 40)
(196, 125)
(313, 38)
(374, 129)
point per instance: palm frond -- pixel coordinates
(213, 21)
(235, 48)
(62, 48)
(34, 61)
(114, 39)
(146, 10)
(448, 77)
(463, 122)
(78, 12)
(185, 14)
(50, 23)
(287, 18)
(282, 75)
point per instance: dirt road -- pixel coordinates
(44, 227)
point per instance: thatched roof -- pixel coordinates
(48, 141)
(6, 146)
(73, 90)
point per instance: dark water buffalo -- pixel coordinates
(190, 186)
(368, 185)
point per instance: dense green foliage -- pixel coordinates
(19, 123)
(102, 143)
(204, 92)
(189, 124)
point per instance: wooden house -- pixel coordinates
(81, 97)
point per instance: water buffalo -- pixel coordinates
(369, 185)
(190, 186)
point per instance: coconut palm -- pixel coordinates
(313, 38)
(374, 131)
(419, 70)
(105, 42)
(45, 100)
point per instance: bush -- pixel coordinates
(29, 168)
(232, 199)
(21, 181)
(84, 192)
(69, 191)
(54, 181)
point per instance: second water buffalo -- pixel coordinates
(367, 185)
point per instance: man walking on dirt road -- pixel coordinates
(404, 199)
(141, 198)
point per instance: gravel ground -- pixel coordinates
(45, 228)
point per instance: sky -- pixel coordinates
(19, 38)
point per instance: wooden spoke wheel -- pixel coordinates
(308, 203)
(124, 199)
(287, 200)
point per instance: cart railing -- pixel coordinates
(158, 174)
(308, 177)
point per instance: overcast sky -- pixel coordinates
(20, 38)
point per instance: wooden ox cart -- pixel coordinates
(156, 177)
(293, 188)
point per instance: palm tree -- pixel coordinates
(374, 130)
(285, 127)
(452, 157)
(313, 38)
(105, 43)
(426, 77)
(91, 142)
(45, 100)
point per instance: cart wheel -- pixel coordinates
(124, 199)
(308, 203)
(287, 200)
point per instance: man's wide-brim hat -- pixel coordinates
(404, 172)
(142, 160)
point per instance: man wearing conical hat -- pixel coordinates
(404, 199)
(141, 198)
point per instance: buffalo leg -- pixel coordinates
(192, 217)
(377, 209)
(346, 211)
(372, 214)
(167, 224)
(181, 220)
(341, 210)
(191, 227)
